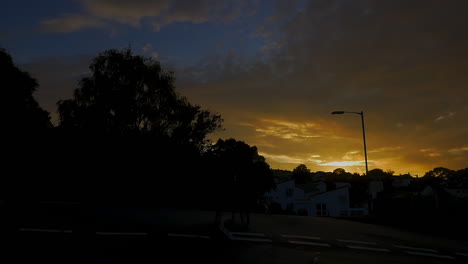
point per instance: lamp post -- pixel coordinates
(363, 131)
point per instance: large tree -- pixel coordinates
(24, 115)
(238, 174)
(25, 126)
(440, 173)
(127, 124)
(128, 94)
(459, 178)
(301, 174)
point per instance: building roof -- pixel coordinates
(309, 187)
(284, 181)
(342, 187)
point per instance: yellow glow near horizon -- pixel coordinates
(347, 163)
(324, 146)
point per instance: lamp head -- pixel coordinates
(337, 112)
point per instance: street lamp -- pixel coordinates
(363, 131)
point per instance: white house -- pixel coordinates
(314, 200)
(313, 188)
(331, 203)
(286, 194)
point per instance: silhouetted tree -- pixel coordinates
(24, 113)
(446, 177)
(25, 126)
(459, 178)
(437, 179)
(339, 171)
(379, 174)
(340, 175)
(128, 127)
(239, 175)
(128, 94)
(441, 173)
(301, 174)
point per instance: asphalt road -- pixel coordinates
(62, 248)
(119, 235)
(339, 231)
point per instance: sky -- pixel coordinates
(275, 70)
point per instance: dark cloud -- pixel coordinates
(101, 13)
(402, 62)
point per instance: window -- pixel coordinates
(289, 192)
(321, 209)
(291, 206)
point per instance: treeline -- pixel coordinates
(436, 189)
(126, 137)
(435, 203)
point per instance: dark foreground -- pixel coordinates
(43, 249)
(125, 235)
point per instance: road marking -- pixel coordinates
(40, 230)
(53, 202)
(357, 242)
(225, 231)
(301, 237)
(230, 236)
(247, 234)
(309, 243)
(188, 236)
(415, 248)
(121, 233)
(429, 255)
(251, 239)
(369, 248)
(462, 254)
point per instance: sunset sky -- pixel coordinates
(275, 70)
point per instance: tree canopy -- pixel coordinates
(301, 174)
(379, 174)
(24, 113)
(239, 175)
(127, 94)
(446, 177)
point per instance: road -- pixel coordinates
(121, 235)
(344, 232)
